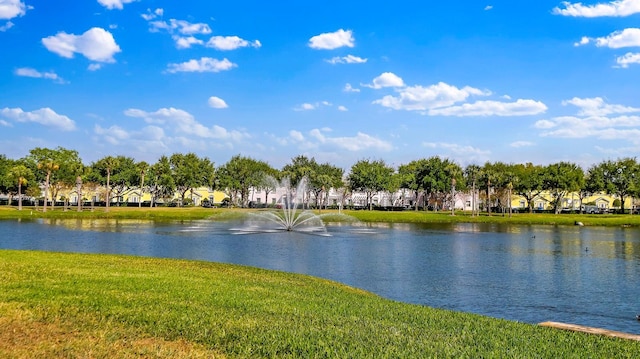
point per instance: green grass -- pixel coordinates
(104, 306)
(195, 213)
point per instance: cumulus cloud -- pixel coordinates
(185, 42)
(227, 43)
(596, 106)
(349, 59)
(114, 4)
(114, 135)
(616, 8)
(469, 152)
(349, 88)
(626, 38)
(628, 59)
(217, 102)
(296, 135)
(150, 15)
(311, 106)
(29, 72)
(492, 108)
(96, 44)
(180, 26)
(332, 40)
(342, 108)
(419, 98)
(594, 120)
(44, 116)
(204, 64)
(519, 144)
(359, 142)
(183, 123)
(386, 79)
(10, 9)
(6, 26)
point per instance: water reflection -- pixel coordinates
(570, 274)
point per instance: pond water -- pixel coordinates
(580, 275)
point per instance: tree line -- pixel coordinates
(429, 182)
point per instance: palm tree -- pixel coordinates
(49, 166)
(142, 168)
(20, 174)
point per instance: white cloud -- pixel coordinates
(628, 59)
(44, 116)
(29, 72)
(626, 38)
(114, 135)
(488, 7)
(349, 59)
(204, 64)
(492, 108)
(6, 26)
(186, 42)
(342, 108)
(183, 123)
(96, 44)
(94, 67)
(519, 144)
(597, 107)
(332, 40)
(217, 102)
(597, 126)
(114, 4)
(227, 43)
(360, 142)
(10, 9)
(181, 26)
(469, 152)
(305, 107)
(386, 79)
(150, 15)
(418, 98)
(349, 88)
(296, 135)
(614, 8)
(311, 106)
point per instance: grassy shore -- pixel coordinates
(196, 213)
(104, 306)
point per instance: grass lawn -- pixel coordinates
(105, 306)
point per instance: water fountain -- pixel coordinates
(292, 217)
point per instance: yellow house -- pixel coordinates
(571, 201)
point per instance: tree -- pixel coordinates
(103, 169)
(142, 168)
(57, 169)
(161, 182)
(324, 177)
(241, 174)
(616, 177)
(190, 171)
(20, 175)
(370, 177)
(409, 178)
(471, 174)
(561, 178)
(530, 182)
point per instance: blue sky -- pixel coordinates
(514, 81)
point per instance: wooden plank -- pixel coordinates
(591, 330)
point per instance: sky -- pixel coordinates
(340, 81)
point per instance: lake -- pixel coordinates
(581, 275)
